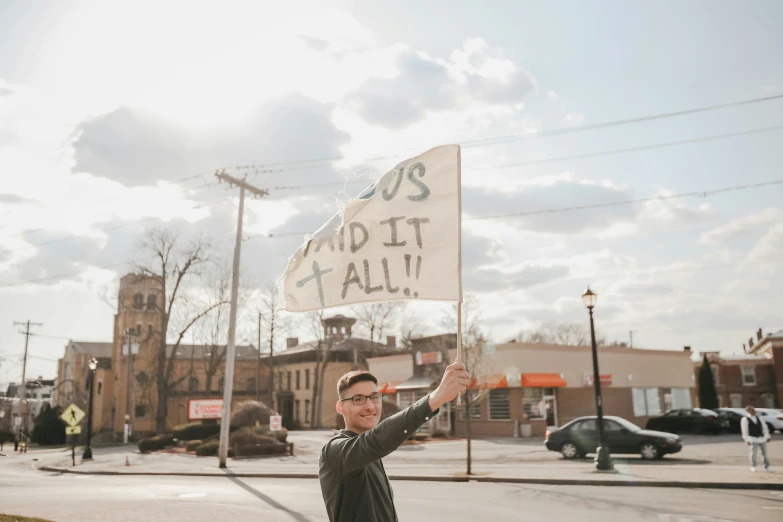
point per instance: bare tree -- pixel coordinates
(375, 318)
(411, 326)
(314, 322)
(567, 334)
(173, 265)
(213, 327)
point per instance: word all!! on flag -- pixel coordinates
(399, 239)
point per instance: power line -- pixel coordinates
(633, 149)
(700, 194)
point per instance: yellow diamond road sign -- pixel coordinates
(72, 415)
(73, 430)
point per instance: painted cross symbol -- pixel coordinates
(317, 274)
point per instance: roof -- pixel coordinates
(776, 335)
(95, 349)
(202, 351)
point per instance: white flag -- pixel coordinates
(399, 239)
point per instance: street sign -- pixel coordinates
(606, 379)
(73, 430)
(275, 422)
(72, 415)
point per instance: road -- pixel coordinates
(73, 498)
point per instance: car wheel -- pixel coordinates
(569, 450)
(650, 451)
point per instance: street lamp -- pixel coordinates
(603, 461)
(88, 451)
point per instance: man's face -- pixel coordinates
(362, 418)
(751, 410)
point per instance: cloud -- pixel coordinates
(738, 228)
(770, 247)
(560, 193)
(422, 84)
(137, 148)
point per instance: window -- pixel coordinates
(646, 402)
(279, 380)
(749, 375)
(140, 411)
(296, 410)
(585, 425)
(221, 383)
(251, 385)
(498, 405)
(611, 426)
(193, 384)
(307, 379)
(151, 303)
(288, 381)
(100, 387)
(298, 375)
(475, 408)
(735, 399)
(715, 374)
(138, 329)
(138, 302)
(307, 411)
(533, 402)
(149, 331)
(681, 398)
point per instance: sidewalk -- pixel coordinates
(399, 466)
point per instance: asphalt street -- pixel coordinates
(194, 499)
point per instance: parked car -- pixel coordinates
(688, 420)
(733, 416)
(773, 418)
(580, 437)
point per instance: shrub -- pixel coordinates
(248, 413)
(421, 437)
(196, 431)
(49, 429)
(261, 430)
(193, 444)
(155, 443)
(244, 436)
(210, 449)
(281, 435)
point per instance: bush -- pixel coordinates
(196, 431)
(421, 437)
(261, 430)
(281, 435)
(193, 444)
(210, 449)
(155, 443)
(49, 429)
(248, 413)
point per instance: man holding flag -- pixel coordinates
(400, 239)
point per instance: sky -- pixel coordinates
(114, 117)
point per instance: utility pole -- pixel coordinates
(258, 369)
(23, 388)
(232, 318)
(631, 332)
(272, 354)
(128, 405)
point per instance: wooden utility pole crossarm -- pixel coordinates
(234, 182)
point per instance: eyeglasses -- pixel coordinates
(359, 400)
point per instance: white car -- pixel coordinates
(773, 418)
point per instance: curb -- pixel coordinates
(435, 478)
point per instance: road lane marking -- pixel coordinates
(192, 495)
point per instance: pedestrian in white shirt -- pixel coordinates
(756, 434)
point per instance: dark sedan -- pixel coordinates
(580, 437)
(689, 420)
(734, 417)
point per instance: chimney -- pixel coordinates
(744, 348)
(391, 341)
(291, 342)
(750, 343)
(686, 348)
(759, 334)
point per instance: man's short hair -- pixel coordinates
(351, 378)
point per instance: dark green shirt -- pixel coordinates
(353, 482)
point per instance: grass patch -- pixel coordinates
(17, 518)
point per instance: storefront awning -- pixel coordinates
(415, 383)
(497, 380)
(542, 380)
(388, 387)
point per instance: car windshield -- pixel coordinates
(630, 426)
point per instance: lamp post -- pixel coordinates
(88, 451)
(603, 461)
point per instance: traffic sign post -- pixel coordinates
(72, 416)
